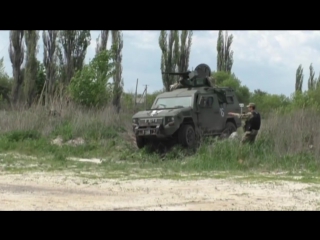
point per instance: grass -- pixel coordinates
(286, 143)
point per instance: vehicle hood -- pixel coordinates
(161, 112)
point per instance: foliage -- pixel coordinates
(184, 50)
(175, 50)
(169, 45)
(224, 52)
(31, 66)
(40, 79)
(269, 102)
(223, 79)
(4, 78)
(72, 51)
(279, 145)
(299, 79)
(117, 45)
(50, 58)
(5, 83)
(90, 86)
(16, 54)
(102, 41)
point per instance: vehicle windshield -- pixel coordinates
(173, 102)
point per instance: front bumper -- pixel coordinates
(157, 131)
(155, 127)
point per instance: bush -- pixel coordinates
(90, 86)
(223, 79)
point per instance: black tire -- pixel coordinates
(229, 129)
(198, 138)
(187, 136)
(140, 142)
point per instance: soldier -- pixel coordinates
(252, 123)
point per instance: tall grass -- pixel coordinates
(286, 141)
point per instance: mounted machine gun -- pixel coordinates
(200, 77)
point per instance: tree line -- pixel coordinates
(63, 74)
(62, 69)
(175, 56)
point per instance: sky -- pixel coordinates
(265, 60)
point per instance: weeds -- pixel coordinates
(286, 142)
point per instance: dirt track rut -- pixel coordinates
(59, 192)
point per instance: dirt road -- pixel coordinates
(60, 192)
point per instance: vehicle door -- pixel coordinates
(209, 113)
(233, 106)
(220, 114)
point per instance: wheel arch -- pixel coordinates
(188, 120)
(232, 120)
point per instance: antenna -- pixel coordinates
(146, 93)
(136, 93)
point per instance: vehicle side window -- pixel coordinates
(230, 100)
(206, 102)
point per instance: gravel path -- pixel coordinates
(43, 191)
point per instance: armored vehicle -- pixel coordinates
(192, 109)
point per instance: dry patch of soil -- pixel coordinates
(44, 191)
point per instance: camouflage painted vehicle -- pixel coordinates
(192, 109)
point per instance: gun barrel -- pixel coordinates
(171, 73)
(176, 73)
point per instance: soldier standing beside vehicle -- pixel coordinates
(252, 123)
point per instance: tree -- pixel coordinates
(184, 51)
(269, 102)
(74, 44)
(299, 79)
(2, 69)
(90, 86)
(318, 82)
(259, 92)
(117, 45)
(102, 41)
(311, 80)
(49, 38)
(31, 68)
(224, 52)
(16, 54)
(40, 83)
(5, 83)
(169, 45)
(223, 79)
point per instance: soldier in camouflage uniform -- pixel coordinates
(252, 123)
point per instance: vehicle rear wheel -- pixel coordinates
(140, 142)
(229, 129)
(187, 136)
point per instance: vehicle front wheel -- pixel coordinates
(187, 136)
(140, 142)
(229, 129)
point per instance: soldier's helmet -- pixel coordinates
(251, 105)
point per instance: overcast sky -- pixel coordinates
(265, 60)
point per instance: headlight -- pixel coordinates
(169, 119)
(135, 120)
